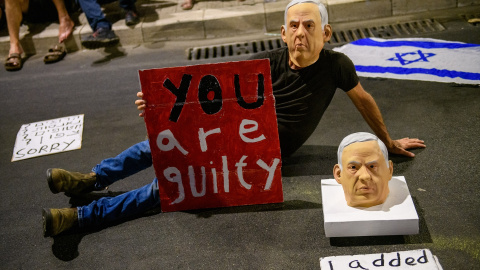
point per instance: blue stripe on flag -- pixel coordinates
(420, 44)
(433, 71)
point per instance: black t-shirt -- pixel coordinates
(302, 96)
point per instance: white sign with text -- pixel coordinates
(411, 259)
(48, 137)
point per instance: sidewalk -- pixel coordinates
(164, 20)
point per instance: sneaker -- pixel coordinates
(102, 37)
(131, 17)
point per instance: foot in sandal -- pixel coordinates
(55, 54)
(13, 62)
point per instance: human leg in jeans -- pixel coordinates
(127, 4)
(136, 158)
(131, 14)
(110, 209)
(103, 35)
(94, 14)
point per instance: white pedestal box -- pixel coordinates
(396, 216)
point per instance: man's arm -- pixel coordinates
(369, 110)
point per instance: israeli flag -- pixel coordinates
(415, 59)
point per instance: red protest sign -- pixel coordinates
(213, 134)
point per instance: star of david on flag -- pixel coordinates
(415, 59)
(405, 59)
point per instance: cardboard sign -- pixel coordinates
(213, 135)
(48, 137)
(411, 259)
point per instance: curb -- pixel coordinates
(212, 19)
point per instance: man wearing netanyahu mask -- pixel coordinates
(305, 77)
(363, 170)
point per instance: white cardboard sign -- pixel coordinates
(410, 259)
(48, 137)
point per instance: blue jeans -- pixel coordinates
(94, 13)
(135, 202)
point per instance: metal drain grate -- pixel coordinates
(387, 31)
(233, 49)
(338, 38)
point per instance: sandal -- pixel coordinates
(13, 62)
(55, 54)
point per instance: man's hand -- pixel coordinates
(400, 146)
(141, 104)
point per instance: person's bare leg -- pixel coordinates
(66, 24)
(187, 4)
(13, 11)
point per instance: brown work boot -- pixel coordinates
(56, 221)
(72, 183)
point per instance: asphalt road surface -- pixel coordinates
(442, 179)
